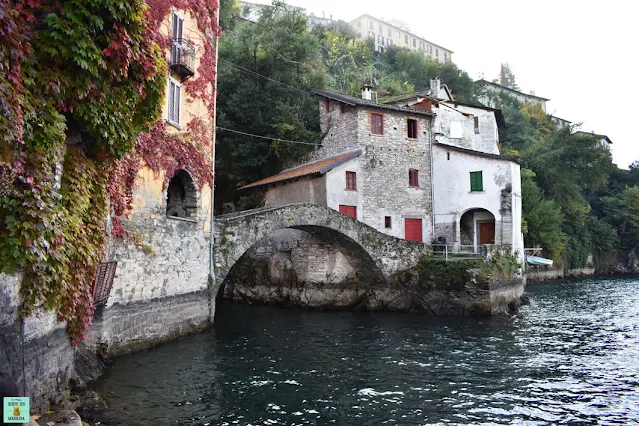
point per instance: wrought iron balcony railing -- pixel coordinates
(182, 58)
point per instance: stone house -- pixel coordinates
(160, 286)
(423, 168)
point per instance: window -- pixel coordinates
(389, 41)
(381, 49)
(380, 39)
(476, 182)
(430, 49)
(377, 124)
(446, 56)
(406, 39)
(437, 52)
(399, 36)
(177, 26)
(351, 181)
(476, 120)
(348, 210)
(422, 45)
(414, 42)
(412, 128)
(413, 178)
(390, 32)
(448, 156)
(387, 222)
(175, 90)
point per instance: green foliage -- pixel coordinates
(441, 275)
(501, 262)
(507, 77)
(276, 103)
(622, 210)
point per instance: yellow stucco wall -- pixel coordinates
(149, 196)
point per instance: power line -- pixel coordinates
(265, 137)
(306, 92)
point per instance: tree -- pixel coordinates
(267, 70)
(622, 210)
(507, 77)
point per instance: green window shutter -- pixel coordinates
(476, 182)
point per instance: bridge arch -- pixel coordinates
(373, 254)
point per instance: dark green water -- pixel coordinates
(572, 356)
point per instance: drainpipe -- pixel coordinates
(214, 118)
(432, 183)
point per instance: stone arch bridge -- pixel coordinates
(374, 255)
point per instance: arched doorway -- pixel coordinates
(181, 196)
(477, 229)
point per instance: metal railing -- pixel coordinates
(452, 252)
(182, 56)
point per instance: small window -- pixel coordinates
(381, 49)
(448, 156)
(390, 32)
(377, 124)
(389, 42)
(437, 52)
(414, 42)
(413, 178)
(430, 49)
(412, 128)
(387, 222)
(446, 56)
(476, 182)
(476, 120)
(351, 181)
(380, 39)
(174, 99)
(421, 45)
(398, 36)
(406, 39)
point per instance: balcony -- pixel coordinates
(182, 59)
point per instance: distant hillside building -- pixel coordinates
(560, 122)
(387, 34)
(604, 140)
(522, 97)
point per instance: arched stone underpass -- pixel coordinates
(382, 272)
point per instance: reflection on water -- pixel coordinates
(571, 356)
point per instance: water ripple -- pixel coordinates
(572, 356)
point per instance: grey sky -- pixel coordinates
(580, 54)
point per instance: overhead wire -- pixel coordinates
(265, 137)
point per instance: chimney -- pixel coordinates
(434, 88)
(367, 92)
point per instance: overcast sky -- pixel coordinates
(580, 54)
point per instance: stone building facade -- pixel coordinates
(423, 167)
(370, 166)
(160, 288)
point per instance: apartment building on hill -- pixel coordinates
(387, 34)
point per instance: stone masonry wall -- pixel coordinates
(160, 288)
(340, 129)
(39, 350)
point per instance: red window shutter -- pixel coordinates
(348, 210)
(377, 124)
(413, 178)
(413, 229)
(351, 180)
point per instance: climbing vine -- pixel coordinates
(81, 90)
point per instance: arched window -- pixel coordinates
(181, 196)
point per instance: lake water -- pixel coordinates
(572, 355)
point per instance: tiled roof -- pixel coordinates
(350, 100)
(318, 167)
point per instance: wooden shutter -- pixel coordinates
(351, 180)
(476, 182)
(413, 229)
(413, 178)
(377, 124)
(348, 210)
